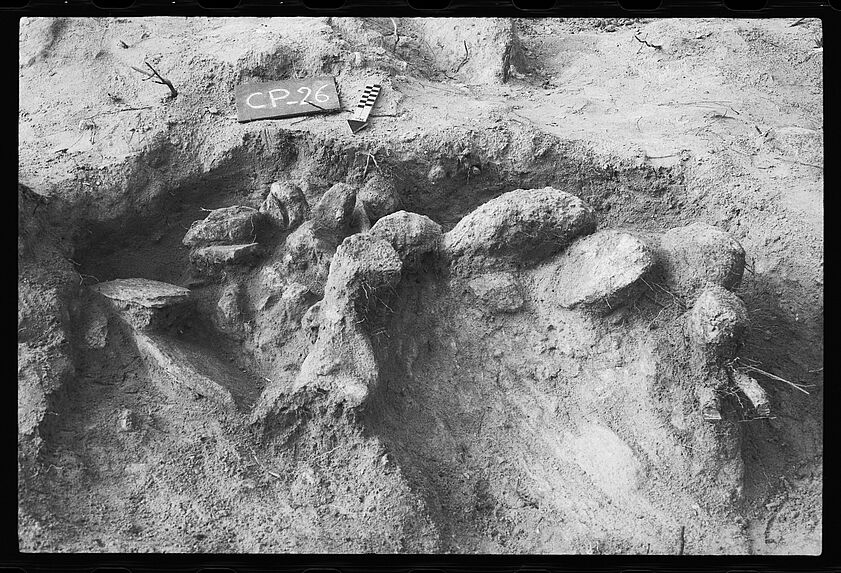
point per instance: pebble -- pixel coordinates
(128, 420)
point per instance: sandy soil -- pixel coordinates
(533, 431)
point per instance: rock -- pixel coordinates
(295, 301)
(436, 173)
(754, 393)
(518, 227)
(598, 271)
(311, 320)
(216, 256)
(276, 323)
(142, 292)
(144, 303)
(128, 421)
(332, 215)
(42, 371)
(227, 226)
(709, 402)
(378, 197)
(229, 315)
(286, 205)
(411, 235)
(717, 321)
(342, 359)
(362, 264)
(498, 291)
(700, 254)
(94, 327)
(307, 257)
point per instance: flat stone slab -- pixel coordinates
(598, 269)
(228, 225)
(145, 293)
(218, 255)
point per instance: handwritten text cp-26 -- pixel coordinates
(287, 98)
(261, 100)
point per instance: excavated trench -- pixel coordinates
(494, 418)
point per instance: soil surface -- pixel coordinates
(514, 314)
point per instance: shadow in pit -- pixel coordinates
(792, 439)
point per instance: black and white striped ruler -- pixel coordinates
(360, 115)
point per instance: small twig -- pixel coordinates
(466, 57)
(370, 158)
(797, 22)
(160, 79)
(656, 47)
(798, 387)
(800, 163)
(83, 277)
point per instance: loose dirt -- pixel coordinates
(388, 341)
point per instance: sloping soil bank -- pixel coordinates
(447, 338)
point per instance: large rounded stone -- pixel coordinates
(598, 270)
(699, 254)
(410, 234)
(518, 226)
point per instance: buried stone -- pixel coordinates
(717, 321)
(363, 263)
(332, 215)
(341, 360)
(286, 205)
(378, 197)
(226, 226)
